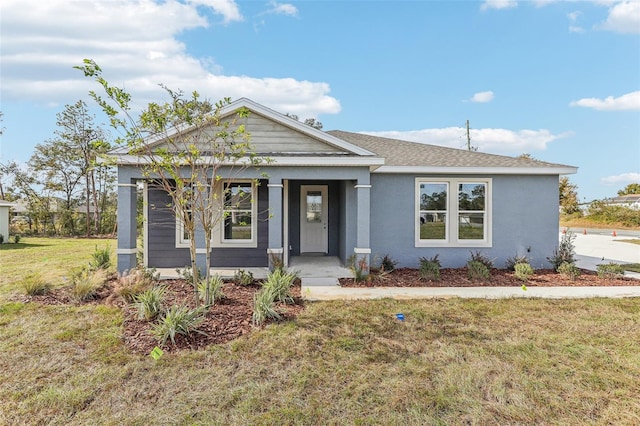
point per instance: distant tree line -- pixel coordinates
(598, 211)
(64, 186)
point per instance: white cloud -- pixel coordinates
(498, 4)
(576, 29)
(497, 141)
(482, 97)
(624, 178)
(227, 8)
(282, 9)
(135, 42)
(624, 17)
(627, 102)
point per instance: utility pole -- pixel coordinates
(468, 137)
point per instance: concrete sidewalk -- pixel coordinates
(317, 293)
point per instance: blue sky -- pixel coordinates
(557, 80)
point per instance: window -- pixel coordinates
(453, 212)
(238, 212)
(238, 221)
(182, 234)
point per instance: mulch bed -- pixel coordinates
(228, 319)
(407, 277)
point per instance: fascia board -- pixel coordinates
(276, 161)
(560, 170)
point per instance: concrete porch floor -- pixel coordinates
(312, 270)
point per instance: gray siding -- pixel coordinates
(524, 214)
(162, 251)
(267, 136)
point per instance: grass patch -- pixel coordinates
(631, 267)
(54, 258)
(453, 361)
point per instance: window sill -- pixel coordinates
(461, 244)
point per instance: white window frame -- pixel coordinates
(452, 213)
(217, 239)
(181, 241)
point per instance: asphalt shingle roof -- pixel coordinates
(403, 153)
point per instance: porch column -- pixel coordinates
(362, 250)
(275, 252)
(127, 225)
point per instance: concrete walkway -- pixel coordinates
(316, 293)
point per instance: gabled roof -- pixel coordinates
(413, 157)
(228, 110)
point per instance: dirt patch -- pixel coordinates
(228, 319)
(406, 277)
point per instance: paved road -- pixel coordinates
(594, 249)
(594, 231)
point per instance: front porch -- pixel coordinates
(312, 270)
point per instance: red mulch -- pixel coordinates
(228, 319)
(407, 277)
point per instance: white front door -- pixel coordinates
(314, 235)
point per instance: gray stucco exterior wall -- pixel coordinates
(524, 219)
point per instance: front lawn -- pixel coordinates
(520, 361)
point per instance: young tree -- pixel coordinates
(197, 155)
(631, 189)
(568, 196)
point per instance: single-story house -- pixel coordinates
(631, 201)
(342, 194)
(5, 206)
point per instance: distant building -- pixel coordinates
(631, 201)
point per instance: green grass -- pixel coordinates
(53, 258)
(352, 362)
(436, 231)
(633, 267)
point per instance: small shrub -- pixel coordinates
(187, 273)
(280, 282)
(212, 290)
(565, 252)
(134, 282)
(263, 306)
(177, 320)
(242, 277)
(480, 257)
(360, 270)
(149, 302)
(511, 262)
(16, 238)
(610, 271)
(387, 264)
(477, 270)
(34, 284)
(430, 268)
(85, 283)
(100, 258)
(1, 239)
(276, 261)
(569, 270)
(523, 271)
